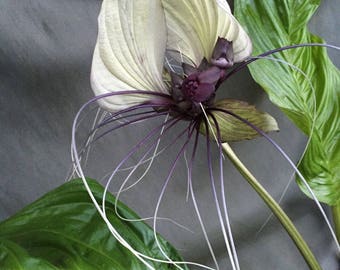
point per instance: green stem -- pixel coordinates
(276, 209)
(336, 220)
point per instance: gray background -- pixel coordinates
(45, 57)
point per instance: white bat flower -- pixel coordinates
(134, 37)
(166, 59)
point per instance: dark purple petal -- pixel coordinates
(203, 92)
(210, 76)
(176, 80)
(177, 94)
(188, 69)
(203, 65)
(191, 77)
(223, 54)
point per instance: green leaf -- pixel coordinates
(232, 129)
(276, 23)
(63, 230)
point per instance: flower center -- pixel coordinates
(201, 85)
(189, 87)
(195, 87)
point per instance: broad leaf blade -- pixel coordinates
(63, 230)
(13, 256)
(277, 23)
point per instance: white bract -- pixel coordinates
(134, 37)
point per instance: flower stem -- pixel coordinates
(336, 219)
(277, 210)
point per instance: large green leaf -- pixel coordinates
(277, 23)
(63, 230)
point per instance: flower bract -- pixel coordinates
(135, 36)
